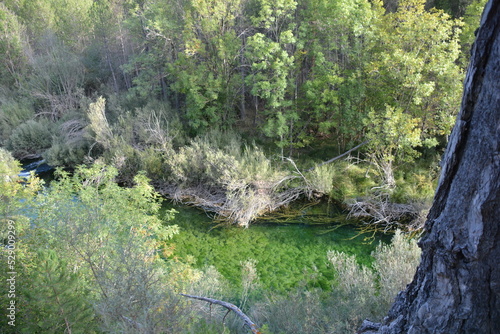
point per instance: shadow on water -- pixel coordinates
(39, 167)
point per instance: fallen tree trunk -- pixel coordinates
(338, 157)
(231, 307)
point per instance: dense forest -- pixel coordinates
(239, 107)
(224, 104)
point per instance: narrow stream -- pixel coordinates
(288, 253)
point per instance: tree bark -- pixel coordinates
(456, 288)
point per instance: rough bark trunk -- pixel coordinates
(456, 288)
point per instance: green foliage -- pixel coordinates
(13, 113)
(99, 124)
(415, 185)
(37, 16)
(71, 143)
(239, 184)
(306, 70)
(336, 39)
(31, 138)
(395, 265)
(112, 236)
(358, 295)
(13, 193)
(204, 162)
(414, 67)
(14, 62)
(300, 311)
(16, 195)
(72, 21)
(270, 54)
(285, 257)
(57, 78)
(393, 136)
(472, 18)
(202, 93)
(354, 293)
(58, 298)
(334, 70)
(320, 179)
(271, 63)
(206, 70)
(351, 180)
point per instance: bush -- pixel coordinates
(361, 293)
(202, 163)
(157, 125)
(351, 180)
(298, 312)
(218, 174)
(70, 144)
(31, 138)
(67, 154)
(321, 179)
(395, 265)
(12, 114)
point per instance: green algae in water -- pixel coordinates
(287, 255)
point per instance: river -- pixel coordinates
(287, 252)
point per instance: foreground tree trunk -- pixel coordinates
(456, 288)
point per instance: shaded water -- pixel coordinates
(39, 167)
(287, 255)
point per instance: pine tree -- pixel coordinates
(58, 298)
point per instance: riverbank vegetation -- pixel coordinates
(253, 111)
(91, 256)
(163, 86)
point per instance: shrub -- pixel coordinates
(70, 144)
(395, 265)
(362, 293)
(111, 237)
(354, 293)
(297, 312)
(351, 180)
(31, 138)
(12, 114)
(320, 179)
(67, 154)
(237, 183)
(99, 126)
(159, 126)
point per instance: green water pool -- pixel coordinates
(287, 255)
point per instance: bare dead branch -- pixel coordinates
(231, 307)
(338, 157)
(382, 214)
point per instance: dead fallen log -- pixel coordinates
(338, 157)
(231, 307)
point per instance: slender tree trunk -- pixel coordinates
(108, 60)
(457, 286)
